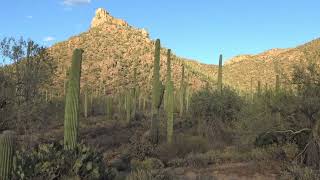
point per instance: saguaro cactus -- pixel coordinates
(85, 104)
(109, 107)
(7, 140)
(168, 78)
(259, 88)
(277, 84)
(220, 74)
(169, 100)
(71, 115)
(182, 93)
(128, 105)
(157, 94)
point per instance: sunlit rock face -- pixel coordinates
(103, 17)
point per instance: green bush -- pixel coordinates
(213, 104)
(51, 161)
(140, 175)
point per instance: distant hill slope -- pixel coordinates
(113, 48)
(265, 66)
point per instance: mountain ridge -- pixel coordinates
(113, 48)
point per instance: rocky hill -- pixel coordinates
(112, 48)
(265, 66)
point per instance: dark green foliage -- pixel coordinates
(213, 104)
(71, 117)
(157, 94)
(7, 146)
(51, 161)
(220, 74)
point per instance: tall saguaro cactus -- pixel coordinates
(168, 78)
(182, 92)
(169, 105)
(85, 104)
(157, 95)
(277, 84)
(220, 74)
(259, 88)
(128, 105)
(7, 140)
(71, 115)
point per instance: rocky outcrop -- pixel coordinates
(103, 17)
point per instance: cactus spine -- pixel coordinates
(220, 74)
(7, 139)
(71, 116)
(157, 95)
(169, 100)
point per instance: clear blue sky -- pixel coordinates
(198, 30)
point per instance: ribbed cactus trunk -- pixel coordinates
(168, 78)
(182, 93)
(169, 100)
(157, 95)
(85, 104)
(128, 106)
(170, 109)
(135, 92)
(251, 90)
(71, 116)
(220, 74)
(259, 89)
(277, 88)
(7, 145)
(109, 107)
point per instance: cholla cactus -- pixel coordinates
(71, 116)
(7, 140)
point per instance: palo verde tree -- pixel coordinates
(28, 67)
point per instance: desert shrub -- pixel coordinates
(300, 173)
(140, 175)
(141, 149)
(51, 161)
(216, 105)
(149, 163)
(182, 146)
